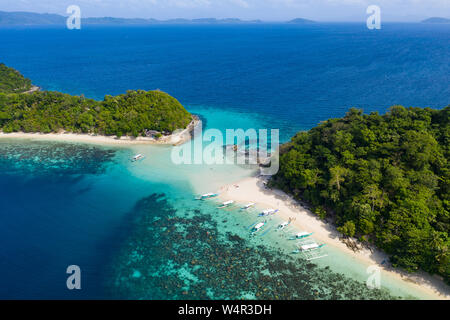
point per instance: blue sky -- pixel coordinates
(270, 10)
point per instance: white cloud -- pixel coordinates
(240, 3)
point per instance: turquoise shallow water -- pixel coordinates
(196, 251)
(137, 232)
(69, 203)
(134, 229)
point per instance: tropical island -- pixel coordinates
(436, 20)
(300, 21)
(383, 179)
(149, 114)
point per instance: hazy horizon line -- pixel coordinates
(226, 18)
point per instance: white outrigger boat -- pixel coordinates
(283, 225)
(226, 204)
(268, 212)
(207, 196)
(310, 246)
(137, 157)
(248, 206)
(258, 227)
(301, 235)
(310, 250)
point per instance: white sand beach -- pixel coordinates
(33, 89)
(253, 190)
(176, 138)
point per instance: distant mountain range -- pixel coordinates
(137, 21)
(436, 20)
(30, 18)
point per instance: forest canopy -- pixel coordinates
(12, 81)
(130, 114)
(382, 178)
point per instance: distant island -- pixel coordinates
(134, 114)
(383, 179)
(300, 21)
(436, 20)
(31, 18)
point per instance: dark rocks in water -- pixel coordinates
(201, 259)
(42, 157)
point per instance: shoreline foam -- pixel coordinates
(253, 189)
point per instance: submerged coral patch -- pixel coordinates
(189, 254)
(42, 157)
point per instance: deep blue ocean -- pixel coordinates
(63, 204)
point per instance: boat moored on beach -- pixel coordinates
(310, 250)
(310, 246)
(248, 206)
(283, 225)
(258, 227)
(226, 204)
(207, 196)
(137, 157)
(301, 235)
(268, 212)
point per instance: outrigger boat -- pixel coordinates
(283, 225)
(247, 206)
(226, 204)
(207, 196)
(137, 157)
(310, 246)
(301, 235)
(311, 250)
(258, 226)
(268, 212)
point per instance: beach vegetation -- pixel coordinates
(383, 178)
(12, 81)
(129, 114)
(320, 212)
